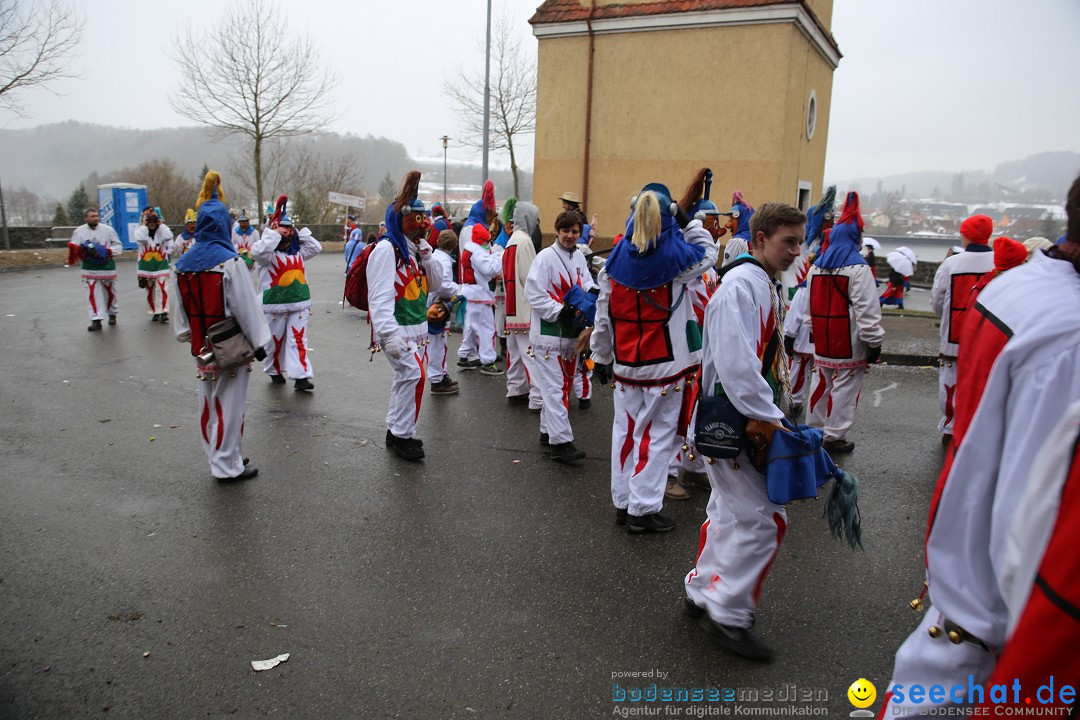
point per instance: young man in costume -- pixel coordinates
(212, 283)
(96, 246)
(949, 297)
(400, 273)
(480, 266)
(516, 260)
(559, 314)
(438, 349)
(243, 237)
(992, 509)
(739, 224)
(647, 335)
(280, 256)
(845, 323)
(481, 213)
(743, 359)
(155, 245)
(186, 238)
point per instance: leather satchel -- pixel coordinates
(230, 346)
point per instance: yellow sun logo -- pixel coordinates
(152, 255)
(287, 272)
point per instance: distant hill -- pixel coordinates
(1044, 177)
(51, 160)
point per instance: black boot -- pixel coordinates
(303, 384)
(406, 448)
(566, 452)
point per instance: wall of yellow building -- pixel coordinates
(665, 102)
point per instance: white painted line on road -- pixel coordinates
(877, 394)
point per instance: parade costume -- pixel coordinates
(153, 269)
(739, 242)
(902, 262)
(553, 334)
(516, 261)
(1019, 369)
(96, 249)
(498, 245)
(743, 359)
(186, 238)
(480, 265)
(1008, 254)
(949, 297)
(243, 239)
(353, 246)
(286, 297)
(438, 349)
(801, 357)
(477, 339)
(819, 221)
(212, 283)
(400, 274)
(845, 323)
(646, 327)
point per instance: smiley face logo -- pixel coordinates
(862, 693)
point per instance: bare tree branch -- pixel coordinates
(37, 43)
(513, 96)
(261, 84)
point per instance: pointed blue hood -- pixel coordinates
(213, 239)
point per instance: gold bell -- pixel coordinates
(612, 386)
(734, 465)
(663, 393)
(685, 447)
(934, 631)
(955, 638)
(710, 460)
(677, 388)
(916, 604)
(691, 456)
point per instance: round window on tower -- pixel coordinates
(811, 115)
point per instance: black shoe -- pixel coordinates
(406, 448)
(95, 325)
(303, 384)
(446, 386)
(157, 316)
(112, 319)
(545, 440)
(390, 437)
(653, 522)
(164, 317)
(277, 379)
(567, 453)
(692, 609)
(518, 399)
(741, 641)
(584, 403)
(246, 461)
(247, 473)
(466, 364)
(491, 369)
(620, 516)
(838, 445)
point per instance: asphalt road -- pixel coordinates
(485, 582)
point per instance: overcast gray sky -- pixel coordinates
(924, 84)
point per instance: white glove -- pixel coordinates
(425, 251)
(395, 347)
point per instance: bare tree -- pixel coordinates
(166, 186)
(37, 41)
(313, 177)
(513, 96)
(260, 83)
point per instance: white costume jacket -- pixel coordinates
(282, 277)
(953, 281)
(844, 315)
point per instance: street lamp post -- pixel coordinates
(445, 141)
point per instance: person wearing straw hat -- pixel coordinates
(212, 284)
(949, 297)
(845, 324)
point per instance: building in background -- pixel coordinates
(743, 86)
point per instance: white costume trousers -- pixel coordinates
(554, 376)
(583, 385)
(833, 400)
(519, 369)
(437, 351)
(801, 368)
(157, 295)
(946, 394)
(937, 661)
(406, 391)
(478, 339)
(221, 421)
(101, 298)
(287, 352)
(738, 543)
(643, 440)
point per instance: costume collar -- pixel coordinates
(977, 248)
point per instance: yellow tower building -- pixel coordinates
(637, 91)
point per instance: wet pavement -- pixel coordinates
(485, 582)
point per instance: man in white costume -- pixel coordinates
(95, 247)
(517, 258)
(155, 242)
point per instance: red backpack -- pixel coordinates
(356, 287)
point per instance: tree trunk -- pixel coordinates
(258, 176)
(513, 165)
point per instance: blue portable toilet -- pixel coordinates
(120, 206)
